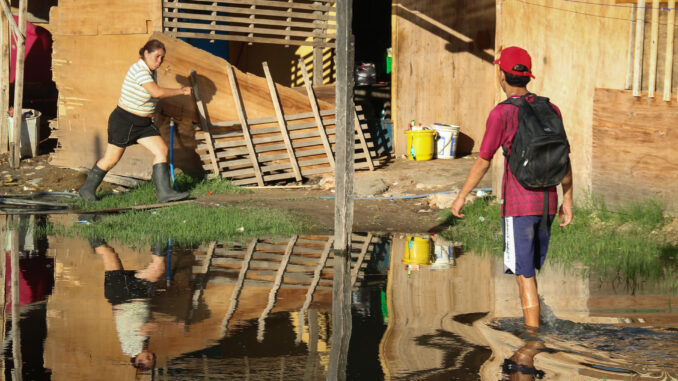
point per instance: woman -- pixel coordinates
(131, 123)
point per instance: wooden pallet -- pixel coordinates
(277, 148)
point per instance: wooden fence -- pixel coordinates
(298, 22)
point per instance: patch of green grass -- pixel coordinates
(144, 193)
(186, 224)
(626, 244)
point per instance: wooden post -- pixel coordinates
(318, 51)
(289, 20)
(5, 36)
(629, 64)
(654, 36)
(16, 316)
(638, 54)
(343, 207)
(668, 69)
(19, 85)
(281, 122)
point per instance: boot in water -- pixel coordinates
(162, 185)
(88, 191)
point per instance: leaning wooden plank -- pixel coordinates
(668, 68)
(263, 40)
(638, 54)
(654, 37)
(316, 113)
(202, 112)
(281, 121)
(363, 144)
(361, 257)
(274, 289)
(238, 287)
(243, 122)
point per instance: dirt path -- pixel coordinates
(398, 179)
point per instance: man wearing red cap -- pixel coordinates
(522, 209)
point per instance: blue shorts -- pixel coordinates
(525, 244)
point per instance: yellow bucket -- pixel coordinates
(420, 144)
(418, 251)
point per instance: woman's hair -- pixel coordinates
(518, 80)
(151, 46)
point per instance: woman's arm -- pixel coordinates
(162, 92)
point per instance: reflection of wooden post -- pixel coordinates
(343, 209)
(668, 68)
(3, 267)
(638, 54)
(629, 64)
(16, 316)
(19, 84)
(5, 36)
(654, 37)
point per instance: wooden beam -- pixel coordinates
(238, 286)
(281, 122)
(276, 286)
(316, 113)
(638, 51)
(363, 143)
(19, 86)
(204, 123)
(629, 63)
(10, 19)
(343, 209)
(5, 37)
(668, 68)
(654, 37)
(243, 123)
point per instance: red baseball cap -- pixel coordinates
(512, 56)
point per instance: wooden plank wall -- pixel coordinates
(635, 147)
(575, 48)
(443, 72)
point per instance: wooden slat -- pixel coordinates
(273, 119)
(274, 4)
(668, 67)
(238, 286)
(638, 54)
(202, 113)
(281, 121)
(243, 20)
(243, 122)
(274, 289)
(248, 11)
(654, 37)
(263, 40)
(266, 130)
(316, 113)
(361, 137)
(250, 30)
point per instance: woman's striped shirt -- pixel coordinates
(134, 97)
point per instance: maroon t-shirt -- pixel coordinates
(500, 129)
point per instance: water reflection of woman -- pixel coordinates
(520, 367)
(129, 292)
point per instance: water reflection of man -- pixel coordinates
(520, 366)
(129, 292)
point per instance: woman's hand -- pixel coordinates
(186, 90)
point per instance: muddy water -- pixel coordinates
(262, 310)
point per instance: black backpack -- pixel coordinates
(539, 156)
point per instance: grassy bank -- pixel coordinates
(187, 224)
(629, 243)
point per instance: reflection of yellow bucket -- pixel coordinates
(420, 144)
(418, 251)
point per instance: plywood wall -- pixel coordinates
(635, 147)
(575, 48)
(443, 72)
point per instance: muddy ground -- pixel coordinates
(396, 178)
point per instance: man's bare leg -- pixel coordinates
(529, 299)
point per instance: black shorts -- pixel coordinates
(121, 286)
(125, 128)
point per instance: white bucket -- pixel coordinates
(444, 256)
(447, 140)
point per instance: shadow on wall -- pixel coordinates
(465, 145)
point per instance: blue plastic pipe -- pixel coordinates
(171, 154)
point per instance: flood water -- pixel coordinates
(261, 309)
